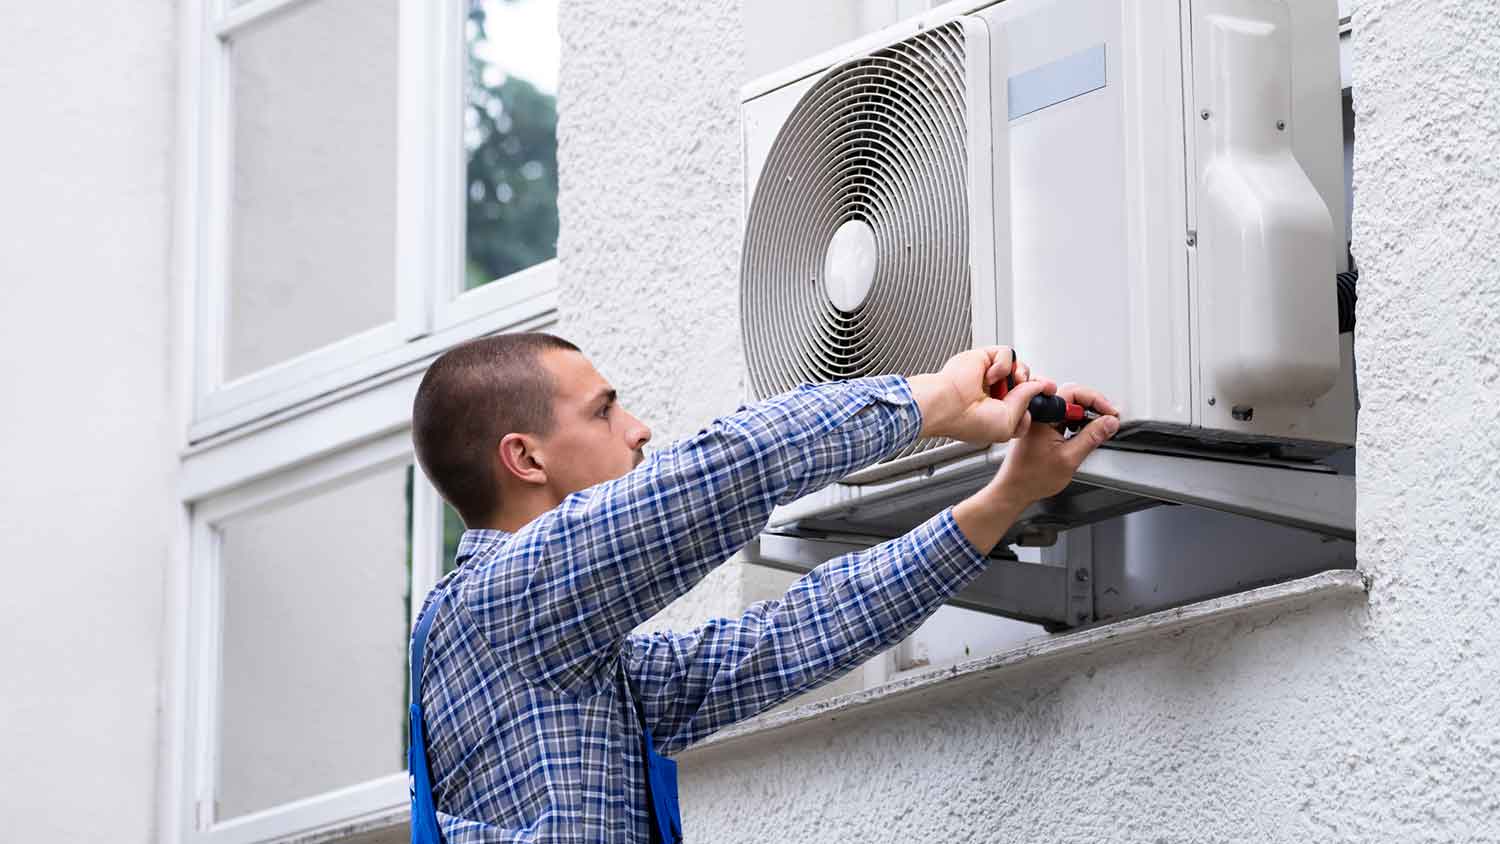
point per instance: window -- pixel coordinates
(312, 578)
(303, 587)
(346, 152)
(365, 183)
(510, 138)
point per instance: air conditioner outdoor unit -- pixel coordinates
(1142, 195)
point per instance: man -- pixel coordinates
(534, 693)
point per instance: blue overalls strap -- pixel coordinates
(424, 825)
(661, 787)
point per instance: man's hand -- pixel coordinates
(956, 403)
(1039, 464)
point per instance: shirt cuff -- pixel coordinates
(949, 553)
(895, 391)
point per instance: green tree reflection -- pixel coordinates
(511, 139)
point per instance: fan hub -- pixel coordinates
(849, 265)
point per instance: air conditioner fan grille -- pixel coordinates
(856, 254)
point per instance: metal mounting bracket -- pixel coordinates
(1305, 517)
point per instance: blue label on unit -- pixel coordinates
(1057, 82)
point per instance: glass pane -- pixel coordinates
(315, 626)
(510, 137)
(313, 192)
(453, 530)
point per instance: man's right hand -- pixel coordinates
(956, 402)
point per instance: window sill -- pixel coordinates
(1324, 586)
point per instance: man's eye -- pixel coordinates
(604, 411)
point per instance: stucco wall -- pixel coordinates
(1340, 722)
(84, 501)
(649, 157)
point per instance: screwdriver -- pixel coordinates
(1048, 410)
(1051, 410)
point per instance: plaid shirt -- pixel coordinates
(532, 671)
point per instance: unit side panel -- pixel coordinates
(1249, 305)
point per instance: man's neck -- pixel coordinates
(521, 514)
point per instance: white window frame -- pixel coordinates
(323, 417)
(302, 457)
(431, 313)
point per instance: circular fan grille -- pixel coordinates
(873, 154)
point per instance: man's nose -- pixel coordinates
(641, 436)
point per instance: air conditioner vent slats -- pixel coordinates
(856, 256)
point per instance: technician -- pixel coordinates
(538, 715)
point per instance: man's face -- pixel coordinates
(594, 439)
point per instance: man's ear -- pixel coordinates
(521, 458)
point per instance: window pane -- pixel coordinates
(453, 530)
(315, 623)
(312, 246)
(510, 137)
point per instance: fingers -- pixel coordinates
(1093, 435)
(1002, 360)
(1088, 397)
(1021, 396)
(1023, 428)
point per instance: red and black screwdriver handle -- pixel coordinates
(1049, 410)
(1054, 409)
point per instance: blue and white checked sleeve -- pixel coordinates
(577, 579)
(831, 620)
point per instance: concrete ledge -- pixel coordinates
(1281, 596)
(391, 826)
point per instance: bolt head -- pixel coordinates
(1082, 575)
(1212, 401)
(1281, 125)
(1204, 114)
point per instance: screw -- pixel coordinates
(1281, 125)
(1082, 575)
(1192, 238)
(1212, 401)
(1204, 114)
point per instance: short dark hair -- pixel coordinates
(471, 397)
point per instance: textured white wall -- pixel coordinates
(1341, 722)
(649, 157)
(86, 89)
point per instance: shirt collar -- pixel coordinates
(475, 541)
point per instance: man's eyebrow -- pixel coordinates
(606, 396)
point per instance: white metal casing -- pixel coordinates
(1182, 265)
